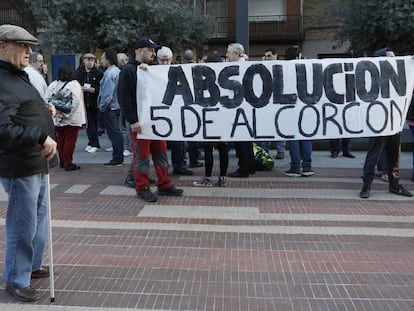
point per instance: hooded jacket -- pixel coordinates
(25, 123)
(127, 91)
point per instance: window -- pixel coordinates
(267, 10)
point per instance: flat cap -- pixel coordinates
(145, 42)
(89, 55)
(13, 33)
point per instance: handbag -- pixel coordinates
(62, 103)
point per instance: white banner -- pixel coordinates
(275, 100)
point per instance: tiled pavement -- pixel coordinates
(264, 243)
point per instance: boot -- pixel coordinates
(364, 194)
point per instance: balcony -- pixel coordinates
(270, 27)
(10, 16)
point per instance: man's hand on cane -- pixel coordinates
(48, 148)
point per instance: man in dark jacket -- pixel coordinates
(26, 144)
(142, 149)
(90, 77)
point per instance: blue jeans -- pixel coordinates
(111, 122)
(300, 150)
(26, 227)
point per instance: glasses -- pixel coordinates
(268, 55)
(23, 45)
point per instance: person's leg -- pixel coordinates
(141, 162)
(294, 152)
(375, 145)
(306, 154)
(177, 154)
(334, 147)
(71, 137)
(158, 150)
(60, 140)
(392, 149)
(193, 153)
(111, 121)
(280, 149)
(92, 129)
(208, 159)
(26, 227)
(224, 158)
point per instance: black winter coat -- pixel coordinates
(93, 78)
(25, 123)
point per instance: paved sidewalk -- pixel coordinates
(268, 242)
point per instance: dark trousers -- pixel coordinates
(177, 153)
(209, 159)
(193, 152)
(92, 129)
(66, 143)
(343, 144)
(111, 122)
(244, 151)
(392, 147)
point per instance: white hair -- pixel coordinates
(164, 51)
(236, 48)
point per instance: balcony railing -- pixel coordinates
(287, 27)
(10, 16)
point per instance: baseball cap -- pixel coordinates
(13, 33)
(145, 42)
(89, 55)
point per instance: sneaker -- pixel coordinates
(222, 182)
(114, 163)
(147, 195)
(307, 172)
(93, 149)
(292, 173)
(203, 182)
(110, 149)
(171, 191)
(129, 182)
(399, 189)
(88, 148)
(127, 153)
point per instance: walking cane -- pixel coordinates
(49, 222)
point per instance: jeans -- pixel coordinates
(26, 227)
(300, 150)
(280, 146)
(111, 122)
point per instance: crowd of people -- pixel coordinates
(34, 127)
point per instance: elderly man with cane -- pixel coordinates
(26, 145)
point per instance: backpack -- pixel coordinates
(263, 160)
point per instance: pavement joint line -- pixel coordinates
(31, 307)
(253, 213)
(292, 230)
(269, 193)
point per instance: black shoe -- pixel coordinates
(334, 154)
(129, 182)
(41, 273)
(147, 195)
(280, 155)
(238, 174)
(114, 163)
(152, 181)
(172, 191)
(72, 167)
(194, 165)
(182, 171)
(364, 194)
(348, 155)
(26, 294)
(399, 189)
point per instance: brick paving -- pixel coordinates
(259, 244)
